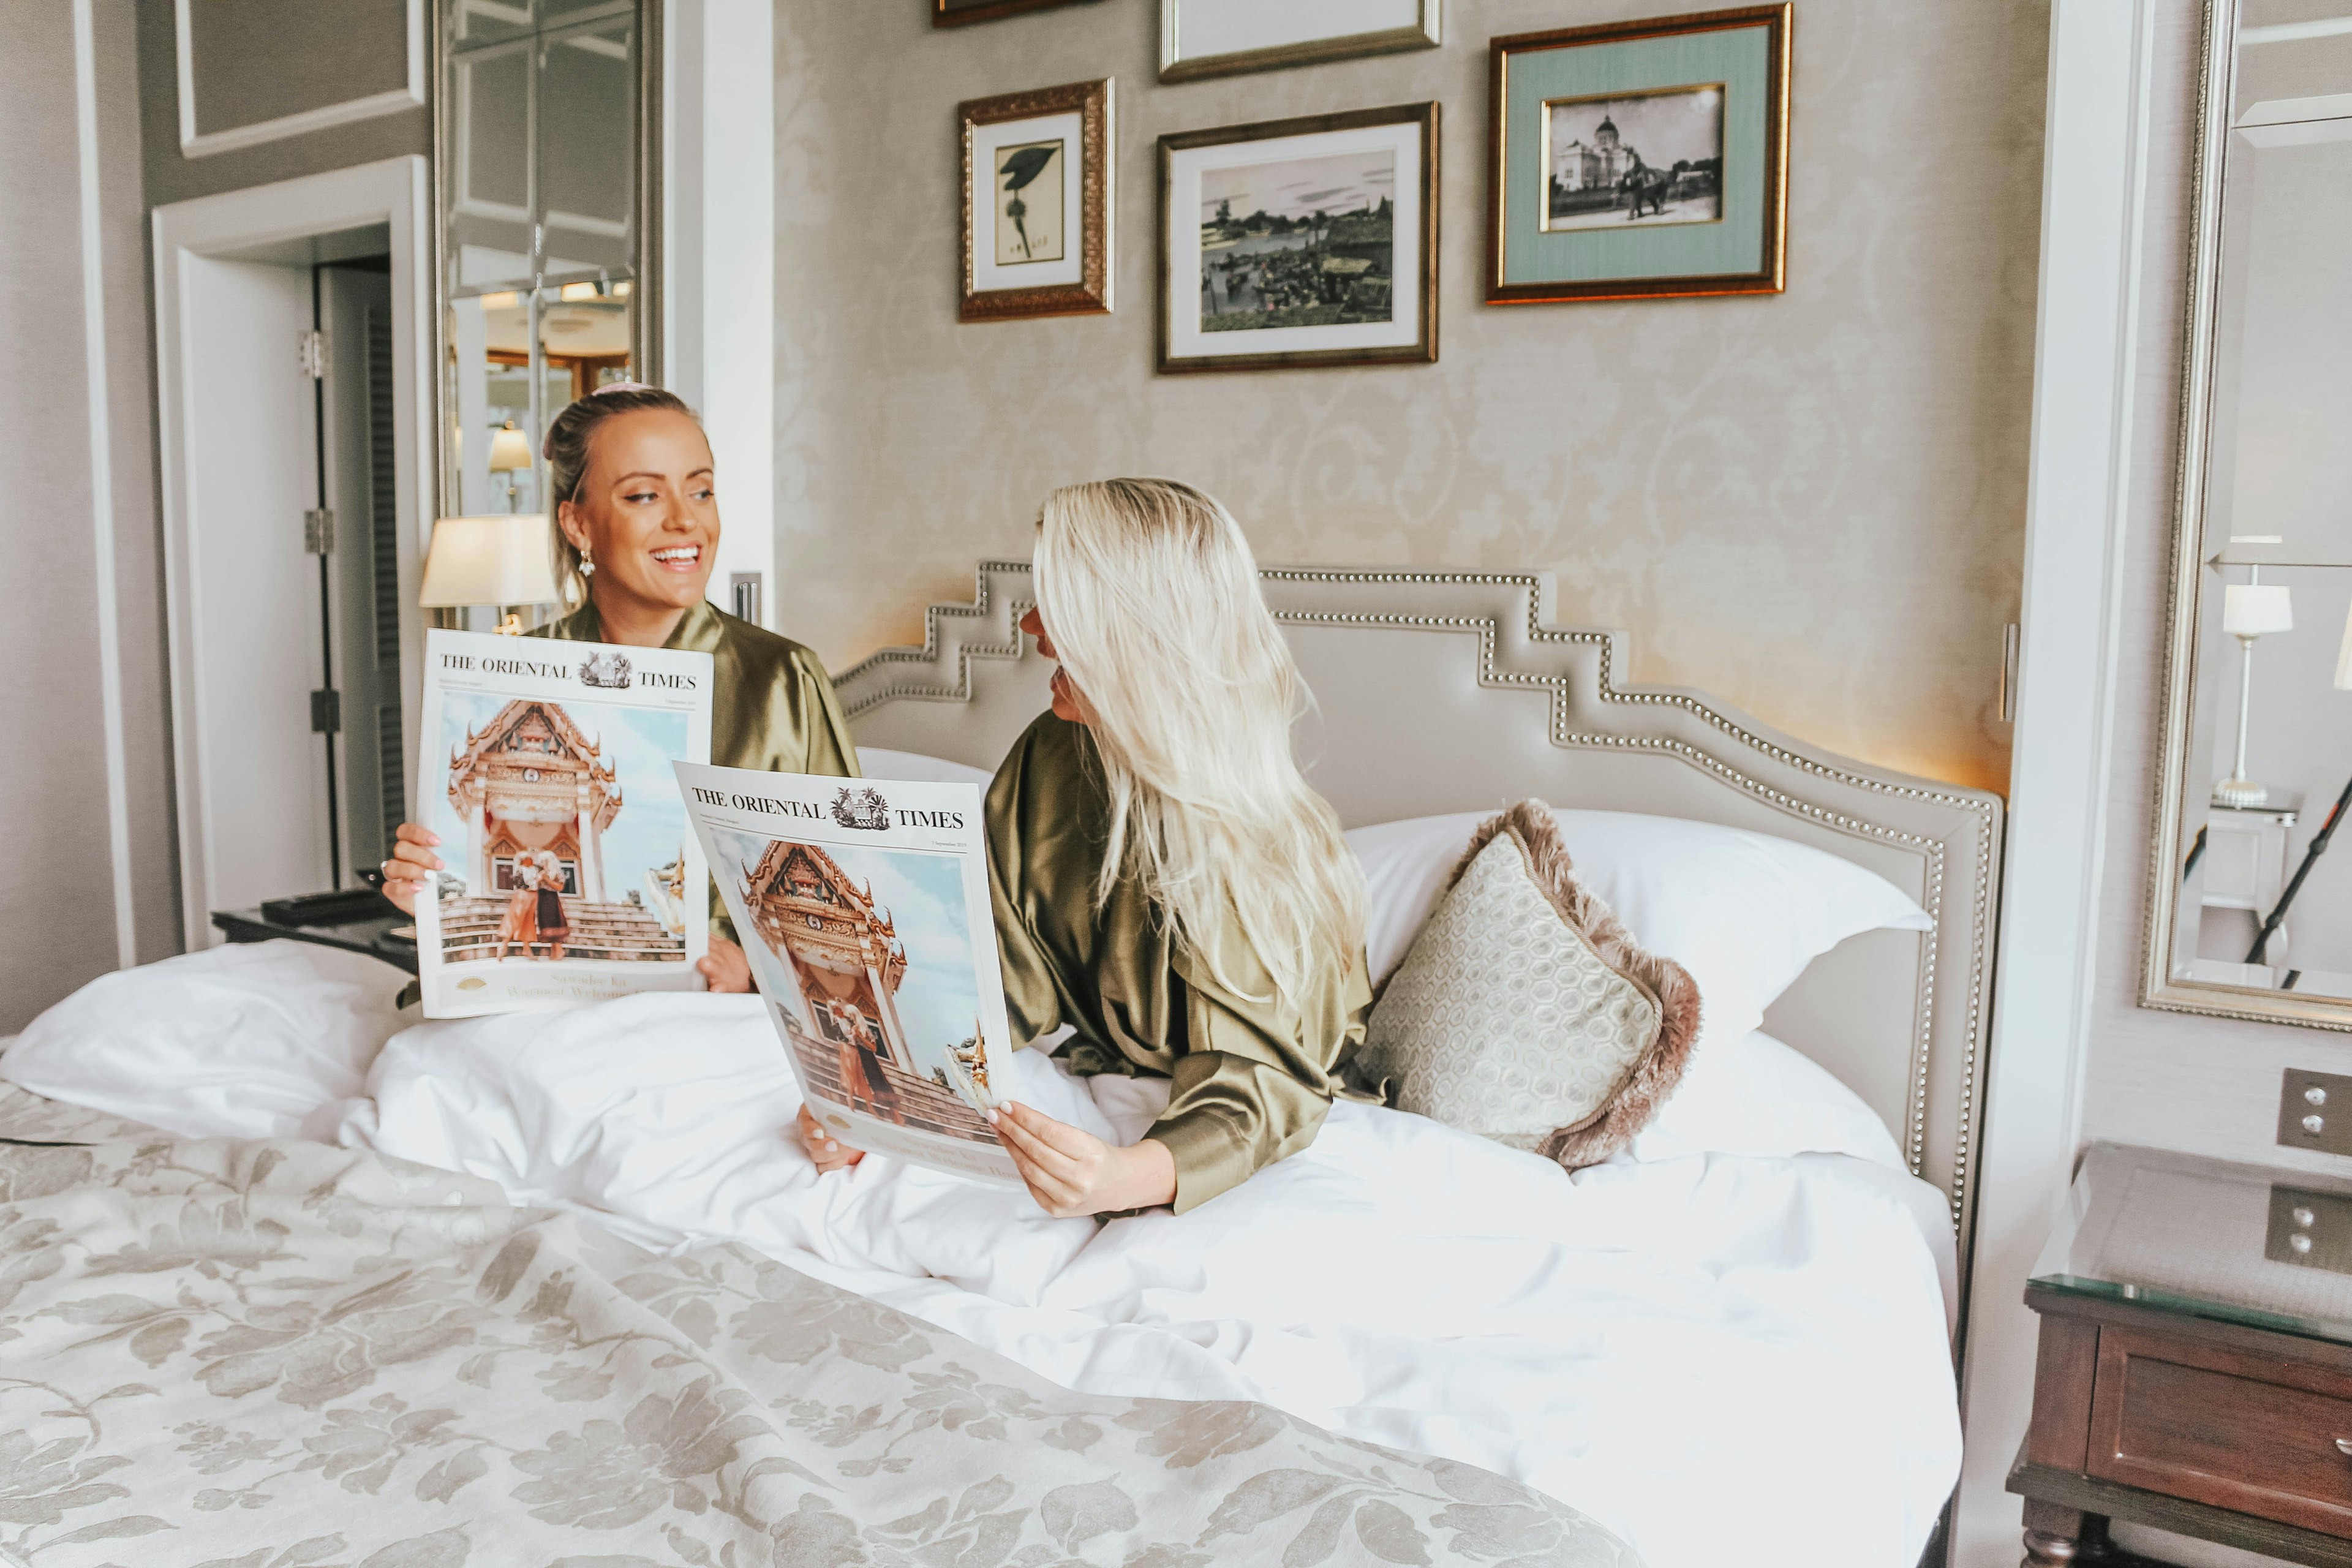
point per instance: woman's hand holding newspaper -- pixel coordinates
(723, 966)
(830, 1153)
(1071, 1171)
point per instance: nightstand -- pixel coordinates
(2195, 1372)
(356, 920)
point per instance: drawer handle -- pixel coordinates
(2344, 1447)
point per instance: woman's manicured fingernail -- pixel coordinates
(432, 837)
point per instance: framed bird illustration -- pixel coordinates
(1037, 203)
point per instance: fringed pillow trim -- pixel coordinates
(1653, 1074)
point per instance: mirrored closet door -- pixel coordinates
(548, 284)
(2253, 912)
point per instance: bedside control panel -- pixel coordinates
(2314, 1229)
(2316, 1111)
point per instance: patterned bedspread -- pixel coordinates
(289, 1356)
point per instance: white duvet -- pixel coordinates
(1717, 1357)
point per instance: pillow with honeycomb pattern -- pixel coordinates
(1524, 1011)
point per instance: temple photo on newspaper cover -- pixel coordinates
(562, 833)
(880, 1022)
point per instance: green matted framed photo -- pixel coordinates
(1038, 200)
(1300, 242)
(1639, 160)
(957, 13)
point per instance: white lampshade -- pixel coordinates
(495, 559)
(2344, 658)
(508, 450)
(2256, 609)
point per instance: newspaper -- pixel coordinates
(863, 907)
(571, 873)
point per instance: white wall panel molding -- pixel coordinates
(196, 143)
(718, 251)
(101, 483)
(2093, 205)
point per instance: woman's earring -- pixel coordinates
(587, 567)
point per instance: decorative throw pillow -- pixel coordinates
(1525, 1013)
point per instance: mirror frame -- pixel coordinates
(2159, 988)
(645, 316)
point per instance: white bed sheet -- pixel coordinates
(1712, 1355)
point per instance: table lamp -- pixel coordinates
(501, 560)
(2248, 610)
(509, 455)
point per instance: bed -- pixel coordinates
(306, 1281)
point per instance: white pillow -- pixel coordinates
(916, 768)
(1743, 911)
(1756, 1096)
(245, 1040)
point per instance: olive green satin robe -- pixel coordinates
(1252, 1078)
(772, 704)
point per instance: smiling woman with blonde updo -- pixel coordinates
(637, 535)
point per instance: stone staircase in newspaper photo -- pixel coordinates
(923, 1103)
(620, 933)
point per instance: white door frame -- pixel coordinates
(2093, 210)
(395, 191)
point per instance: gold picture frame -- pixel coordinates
(1038, 188)
(1318, 309)
(1719, 73)
(963, 13)
(1425, 31)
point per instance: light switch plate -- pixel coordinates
(2311, 1229)
(2316, 1111)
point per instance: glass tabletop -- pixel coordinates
(2208, 1239)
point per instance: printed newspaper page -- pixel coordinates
(863, 907)
(572, 874)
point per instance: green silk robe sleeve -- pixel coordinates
(1251, 1077)
(772, 708)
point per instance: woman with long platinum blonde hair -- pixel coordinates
(1165, 882)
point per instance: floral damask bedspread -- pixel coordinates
(289, 1356)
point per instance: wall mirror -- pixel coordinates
(2251, 908)
(549, 288)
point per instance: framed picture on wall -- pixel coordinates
(1639, 160)
(1300, 242)
(956, 13)
(1037, 203)
(1222, 37)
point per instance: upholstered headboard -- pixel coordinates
(1444, 691)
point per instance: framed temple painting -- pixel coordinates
(1037, 201)
(956, 13)
(1300, 242)
(1224, 38)
(1639, 160)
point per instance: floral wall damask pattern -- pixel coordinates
(1812, 505)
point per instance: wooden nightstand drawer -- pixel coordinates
(2257, 1434)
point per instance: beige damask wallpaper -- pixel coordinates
(1810, 504)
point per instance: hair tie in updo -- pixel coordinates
(546, 442)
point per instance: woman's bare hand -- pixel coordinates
(411, 868)
(1071, 1171)
(724, 967)
(830, 1153)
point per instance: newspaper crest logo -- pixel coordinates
(865, 810)
(612, 670)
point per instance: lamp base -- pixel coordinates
(2240, 791)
